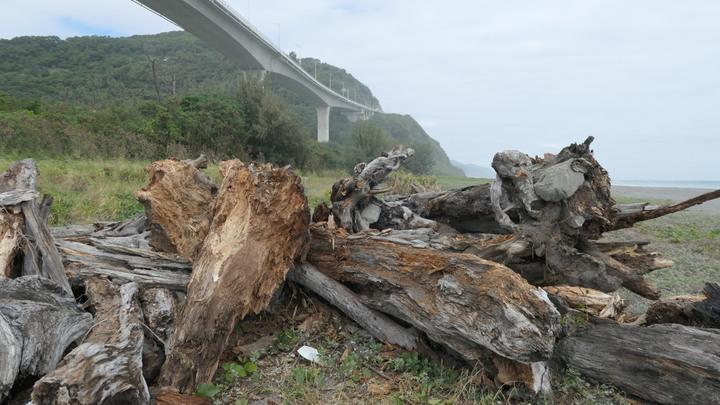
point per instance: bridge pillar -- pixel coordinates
(323, 124)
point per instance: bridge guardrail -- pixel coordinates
(232, 13)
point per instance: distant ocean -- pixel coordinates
(662, 183)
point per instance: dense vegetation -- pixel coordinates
(154, 96)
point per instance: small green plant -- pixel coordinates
(207, 390)
(352, 368)
(573, 388)
(305, 376)
(284, 339)
(235, 370)
(413, 363)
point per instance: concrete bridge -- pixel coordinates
(221, 27)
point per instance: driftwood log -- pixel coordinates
(355, 204)
(259, 227)
(376, 323)
(668, 364)
(97, 257)
(107, 366)
(700, 311)
(38, 322)
(40, 257)
(465, 303)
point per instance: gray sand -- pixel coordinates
(711, 207)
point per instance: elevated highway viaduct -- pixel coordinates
(216, 23)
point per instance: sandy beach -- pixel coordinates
(669, 193)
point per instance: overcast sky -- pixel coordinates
(480, 76)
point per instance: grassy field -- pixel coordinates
(355, 368)
(87, 191)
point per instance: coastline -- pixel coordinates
(675, 194)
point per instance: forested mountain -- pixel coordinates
(173, 94)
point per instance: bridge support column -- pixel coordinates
(323, 124)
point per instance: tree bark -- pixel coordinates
(11, 236)
(667, 364)
(259, 227)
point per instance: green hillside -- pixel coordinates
(170, 93)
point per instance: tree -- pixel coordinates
(274, 130)
(370, 140)
(423, 161)
(213, 124)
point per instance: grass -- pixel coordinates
(691, 240)
(87, 191)
(449, 183)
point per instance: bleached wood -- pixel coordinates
(107, 367)
(44, 321)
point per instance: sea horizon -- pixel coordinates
(704, 184)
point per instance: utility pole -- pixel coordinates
(315, 69)
(330, 80)
(278, 29)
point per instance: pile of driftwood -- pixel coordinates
(496, 274)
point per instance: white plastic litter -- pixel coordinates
(309, 353)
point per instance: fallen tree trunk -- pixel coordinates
(467, 304)
(258, 228)
(107, 367)
(38, 322)
(667, 364)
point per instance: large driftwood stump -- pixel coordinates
(667, 364)
(38, 322)
(558, 206)
(177, 201)
(259, 227)
(465, 303)
(107, 367)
